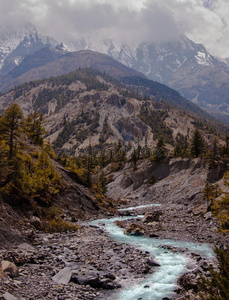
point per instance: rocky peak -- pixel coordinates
(15, 44)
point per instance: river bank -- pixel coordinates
(94, 260)
(89, 264)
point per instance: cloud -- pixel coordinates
(130, 21)
(204, 21)
(98, 20)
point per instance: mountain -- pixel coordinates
(16, 43)
(10, 38)
(63, 64)
(86, 107)
(160, 61)
(161, 92)
(184, 66)
(50, 62)
(37, 59)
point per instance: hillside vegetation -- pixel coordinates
(86, 108)
(35, 191)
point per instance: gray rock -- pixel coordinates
(26, 247)
(110, 276)
(208, 216)
(63, 277)
(153, 263)
(111, 286)
(8, 296)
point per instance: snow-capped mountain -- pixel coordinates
(16, 43)
(185, 66)
(182, 64)
(10, 38)
(155, 60)
(160, 61)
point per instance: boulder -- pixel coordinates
(8, 296)
(36, 222)
(105, 282)
(135, 229)
(26, 247)
(10, 269)
(94, 281)
(153, 263)
(110, 276)
(150, 217)
(63, 277)
(153, 235)
(208, 216)
(111, 285)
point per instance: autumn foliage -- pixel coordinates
(26, 168)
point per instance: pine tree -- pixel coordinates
(208, 194)
(177, 151)
(212, 153)
(160, 150)
(10, 127)
(134, 158)
(103, 181)
(197, 144)
(44, 178)
(5, 169)
(227, 144)
(33, 125)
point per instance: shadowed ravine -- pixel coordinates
(172, 265)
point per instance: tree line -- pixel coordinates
(26, 169)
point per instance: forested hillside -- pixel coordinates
(114, 144)
(34, 187)
(86, 108)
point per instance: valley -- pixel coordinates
(79, 149)
(97, 263)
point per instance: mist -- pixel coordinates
(131, 21)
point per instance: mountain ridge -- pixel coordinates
(70, 62)
(87, 107)
(182, 64)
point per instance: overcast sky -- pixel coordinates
(204, 21)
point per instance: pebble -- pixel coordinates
(88, 252)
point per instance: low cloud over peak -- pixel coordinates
(130, 21)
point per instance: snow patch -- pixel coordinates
(203, 58)
(17, 60)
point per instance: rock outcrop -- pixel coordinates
(135, 229)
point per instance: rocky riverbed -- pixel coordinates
(86, 264)
(178, 222)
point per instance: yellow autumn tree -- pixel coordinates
(221, 207)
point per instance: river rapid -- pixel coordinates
(163, 282)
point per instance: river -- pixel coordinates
(172, 265)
